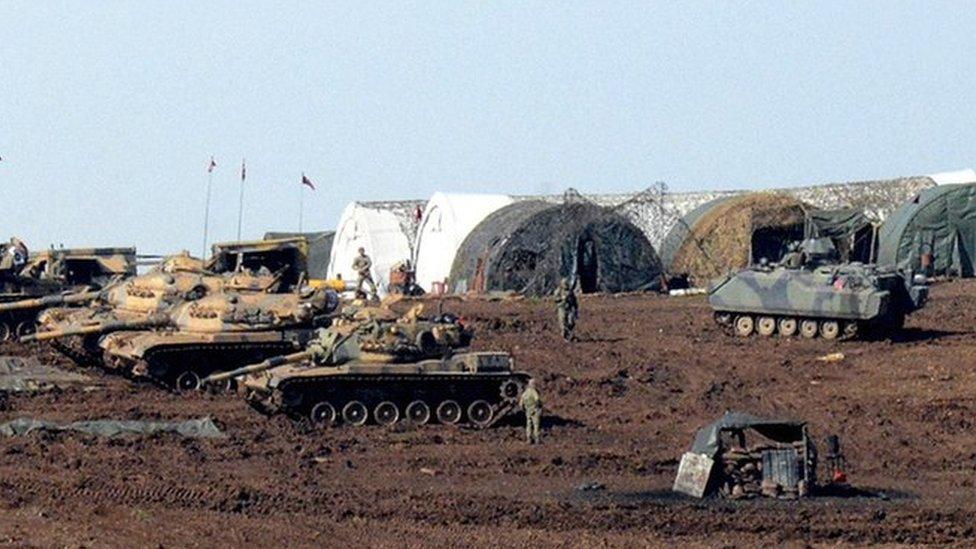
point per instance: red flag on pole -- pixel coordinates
(307, 182)
(212, 165)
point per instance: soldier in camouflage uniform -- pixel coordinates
(531, 404)
(567, 304)
(363, 265)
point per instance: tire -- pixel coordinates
(323, 414)
(449, 412)
(766, 326)
(418, 412)
(187, 381)
(386, 413)
(744, 325)
(481, 413)
(809, 329)
(355, 413)
(829, 329)
(787, 327)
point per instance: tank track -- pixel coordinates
(166, 364)
(300, 398)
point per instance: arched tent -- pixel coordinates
(385, 229)
(528, 246)
(940, 221)
(447, 220)
(731, 233)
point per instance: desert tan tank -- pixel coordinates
(218, 332)
(268, 266)
(57, 277)
(386, 371)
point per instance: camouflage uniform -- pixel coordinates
(567, 308)
(531, 404)
(362, 265)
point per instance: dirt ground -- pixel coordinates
(623, 404)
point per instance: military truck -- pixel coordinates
(57, 277)
(386, 370)
(810, 294)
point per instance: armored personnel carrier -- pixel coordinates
(57, 277)
(387, 371)
(810, 295)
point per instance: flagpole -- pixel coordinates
(206, 215)
(240, 202)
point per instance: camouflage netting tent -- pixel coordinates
(849, 229)
(939, 223)
(319, 249)
(731, 233)
(528, 246)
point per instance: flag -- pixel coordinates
(212, 165)
(243, 171)
(308, 182)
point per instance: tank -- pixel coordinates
(57, 277)
(386, 371)
(214, 333)
(262, 267)
(809, 295)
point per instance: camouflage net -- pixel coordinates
(528, 246)
(722, 238)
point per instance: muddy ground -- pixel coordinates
(623, 405)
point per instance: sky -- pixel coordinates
(110, 111)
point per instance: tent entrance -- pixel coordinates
(771, 242)
(587, 264)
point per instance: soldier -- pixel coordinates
(531, 404)
(362, 265)
(567, 308)
(794, 257)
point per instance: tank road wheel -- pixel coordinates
(829, 329)
(323, 414)
(744, 325)
(386, 413)
(787, 327)
(850, 330)
(766, 326)
(511, 389)
(808, 329)
(418, 412)
(481, 413)
(6, 334)
(355, 413)
(449, 412)
(25, 328)
(187, 381)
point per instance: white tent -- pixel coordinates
(448, 218)
(385, 229)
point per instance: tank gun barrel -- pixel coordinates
(153, 321)
(273, 362)
(49, 301)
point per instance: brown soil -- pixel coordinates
(623, 405)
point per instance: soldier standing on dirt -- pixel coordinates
(531, 404)
(567, 307)
(362, 265)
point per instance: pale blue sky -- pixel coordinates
(109, 111)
